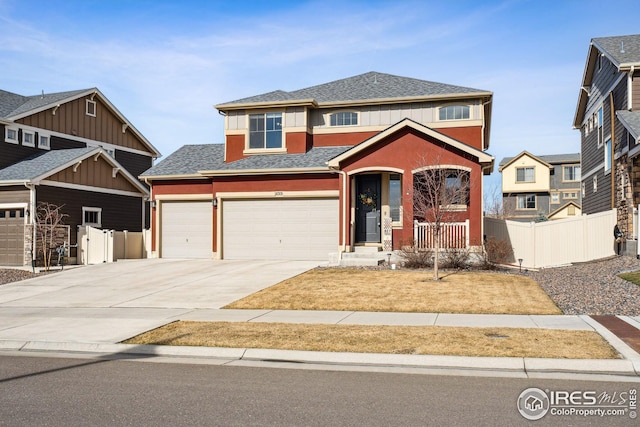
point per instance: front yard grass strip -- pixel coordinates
(433, 340)
(403, 291)
(632, 276)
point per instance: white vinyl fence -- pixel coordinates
(453, 235)
(553, 243)
(96, 246)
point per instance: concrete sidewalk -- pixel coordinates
(90, 309)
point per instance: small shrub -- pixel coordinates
(498, 251)
(417, 258)
(456, 258)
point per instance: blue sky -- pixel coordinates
(165, 64)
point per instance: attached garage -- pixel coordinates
(280, 229)
(11, 236)
(186, 229)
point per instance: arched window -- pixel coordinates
(455, 112)
(344, 118)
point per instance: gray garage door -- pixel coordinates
(186, 230)
(293, 229)
(11, 236)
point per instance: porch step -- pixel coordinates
(366, 249)
(367, 259)
(360, 262)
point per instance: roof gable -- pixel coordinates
(547, 160)
(483, 158)
(14, 107)
(366, 88)
(49, 165)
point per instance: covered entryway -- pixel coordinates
(11, 236)
(186, 229)
(367, 204)
(274, 229)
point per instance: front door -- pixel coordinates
(368, 208)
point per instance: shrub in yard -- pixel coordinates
(416, 258)
(456, 258)
(498, 251)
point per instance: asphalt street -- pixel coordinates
(48, 391)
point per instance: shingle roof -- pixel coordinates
(550, 158)
(623, 49)
(190, 159)
(368, 86)
(631, 121)
(41, 163)
(12, 104)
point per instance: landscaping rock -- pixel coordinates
(592, 287)
(8, 275)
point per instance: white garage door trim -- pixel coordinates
(280, 229)
(186, 229)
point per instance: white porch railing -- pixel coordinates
(453, 235)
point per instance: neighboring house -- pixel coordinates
(73, 149)
(320, 170)
(608, 116)
(541, 187)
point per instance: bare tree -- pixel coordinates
(495, 206)
(49, 219)
(439, 192)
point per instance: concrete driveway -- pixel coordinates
(111, 302)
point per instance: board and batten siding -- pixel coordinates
(71, 118)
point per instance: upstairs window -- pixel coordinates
(345, 118)
(600, 134)
(265, 131)
(571, 173)
(44, 141)
(91, 108)
(455, 112)
(525, 174)
(28, 138)
(11, 135)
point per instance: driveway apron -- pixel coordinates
(110, 302)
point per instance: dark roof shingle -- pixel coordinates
(368, 86)
(623, 49)
(41, 163)
(190, 159)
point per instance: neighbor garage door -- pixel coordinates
(186, 230)
(11, 236)
(293, 229)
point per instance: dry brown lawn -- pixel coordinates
(403, 291)
(434, 340)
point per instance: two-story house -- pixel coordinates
(70, 149)
(608, 117)
(319, 170)
(538, 188)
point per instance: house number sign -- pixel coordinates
(279, 193)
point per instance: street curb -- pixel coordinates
(488, 364)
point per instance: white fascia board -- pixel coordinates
(233, 172)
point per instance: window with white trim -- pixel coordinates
(571, 173)
(607, 155)
(92, 216)
(455, 112)
(28, 138)
(600, 127)
(91, 108)
(343, 118)
(395, 196)
(11, 135)
(595, 184)
(570, 195)
(44, 141)
(265, 131)
(527, 201)
(555, 197)
(526, 174)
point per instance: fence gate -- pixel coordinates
(95, 245)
